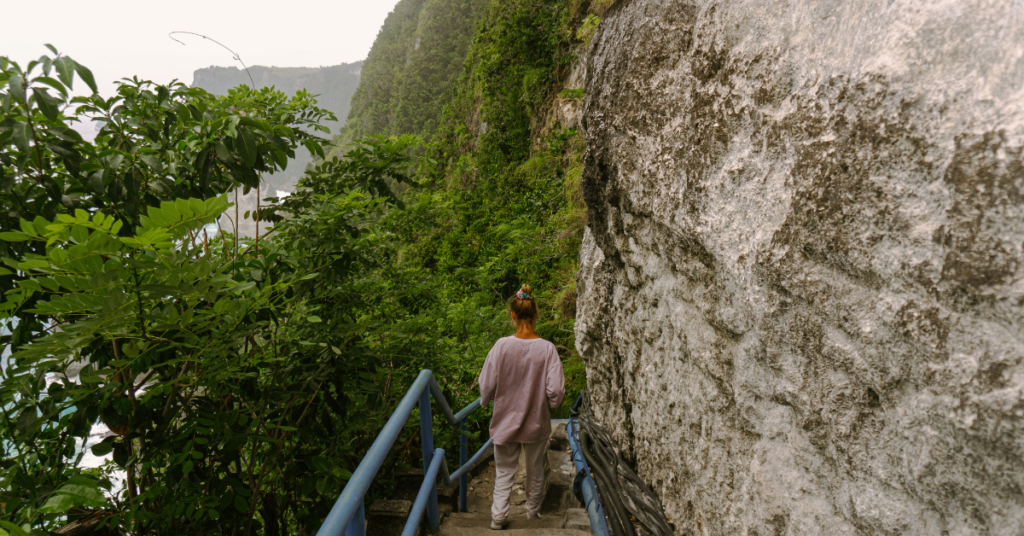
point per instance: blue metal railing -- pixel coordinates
(586, 482)
(348, 514)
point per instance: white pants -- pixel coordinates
(506, 464)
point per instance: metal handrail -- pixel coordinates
(587, 486)
(348, 517)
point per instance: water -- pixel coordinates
(97, 433)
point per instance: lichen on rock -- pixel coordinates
(801, 295)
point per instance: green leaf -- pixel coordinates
(65, 70)
(32, 264)
(14, 529)
(197, 208)
(58, 504)
(186, 209)
(113, 161)
(53, 83)
(243, 286)
(322, 464)
(47, 104)
(80, 234)
(15, 237)
(49, 46)
(245, 144)
(30, 284)
(154, 162)
(102, 449)
(16, 85)
(79, 492)
(20, 136)
(86, 76)
(186, 468)
(84, 494)
(27, 227)
(241, 504)
(213, 514)
(66, 151)
(321, 485)
(314, 319)
(223, 154)
(281, 159)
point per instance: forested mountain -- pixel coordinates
(416, 58)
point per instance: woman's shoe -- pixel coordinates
(532, 516)
(497, 526)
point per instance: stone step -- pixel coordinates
(445, 531)
(561, 515)
(577, 518)
(478, 520)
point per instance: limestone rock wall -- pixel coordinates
(801, 295)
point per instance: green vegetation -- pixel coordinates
(227, 392)
(415, 61)
(498, 201)
(245, 378)
(588, 27)
(333, 87)
(505, 206)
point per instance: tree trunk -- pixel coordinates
(271, 521)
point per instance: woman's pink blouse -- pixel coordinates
(523, 377)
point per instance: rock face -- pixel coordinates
(801, 298)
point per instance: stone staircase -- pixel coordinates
(560, 512)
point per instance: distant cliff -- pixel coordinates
(801, 299)
(335, 85)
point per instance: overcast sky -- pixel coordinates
(121, 38)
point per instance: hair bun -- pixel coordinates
(523, 305)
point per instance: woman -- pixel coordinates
(523, 376)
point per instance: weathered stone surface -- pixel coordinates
(578, 519)
(388, 517)
(801, 299)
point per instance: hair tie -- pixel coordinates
(523, 296)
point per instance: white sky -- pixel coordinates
(122, 38)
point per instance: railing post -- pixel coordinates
(463, 454)
(357, 527)
(427, 441)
